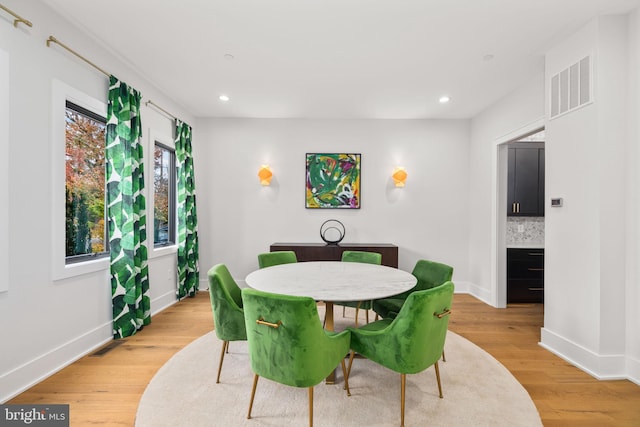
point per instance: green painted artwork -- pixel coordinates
(332, 181)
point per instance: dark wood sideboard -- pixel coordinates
(325, 252)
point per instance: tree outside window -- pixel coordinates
(85, 232)
(164, 195)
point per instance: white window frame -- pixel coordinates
(153, 250)
(61, 93)
(172, 196)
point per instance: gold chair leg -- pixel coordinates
(351, 356)
(224, 346)
(343, 307)
(346, 377)
(366, 313)
(357, 310)
(443, 358)
(438, 378)
(403, 383)
(253, 393)
(227, 347)
(310, 406)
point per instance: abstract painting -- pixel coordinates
(333, 181)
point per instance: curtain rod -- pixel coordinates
(52, 39)
(18, 19)
(161, 109)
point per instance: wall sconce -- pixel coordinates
(265, 175)
(399, 176)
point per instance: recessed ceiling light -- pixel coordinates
(224, 98)
(444, 99)
(228, 57)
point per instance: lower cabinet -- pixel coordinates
(525, 275)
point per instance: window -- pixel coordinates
(164, 199)
(86, 224)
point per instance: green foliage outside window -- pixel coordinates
(85, 182)
(164, 199)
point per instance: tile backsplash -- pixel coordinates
(532, 231)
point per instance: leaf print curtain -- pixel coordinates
(188, 274)
(126, 211)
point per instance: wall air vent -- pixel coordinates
(571, 88)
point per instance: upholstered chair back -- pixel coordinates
(362, 256)
(415, 339)
(268, 259)
(226, 304)
(287, 343)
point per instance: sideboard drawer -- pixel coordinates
(525, 275)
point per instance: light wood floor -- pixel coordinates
(105, 387)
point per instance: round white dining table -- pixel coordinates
(331, 281)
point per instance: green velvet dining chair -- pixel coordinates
(268, 259)
(226, 304)
(287, 343)
(429, 274)
(412, 341)
(364, 257)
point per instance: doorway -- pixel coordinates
(525, 219)
(513, 230)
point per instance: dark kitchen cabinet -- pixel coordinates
(525, 275)
(525, 190)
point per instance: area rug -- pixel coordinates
(478, 391)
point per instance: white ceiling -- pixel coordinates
(335, 58)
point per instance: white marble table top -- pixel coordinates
(332, 280)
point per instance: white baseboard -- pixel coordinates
(464, 287)
(32, 372)
(633, 370)
(602, 367)
(162, 302)
(36, 370)
(461, 287)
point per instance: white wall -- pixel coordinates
(633, 231)
(239, 218)
(4, 171)
(516, 114)
(446, 212)
(48, 323)
(585, 263)
(591, 243)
